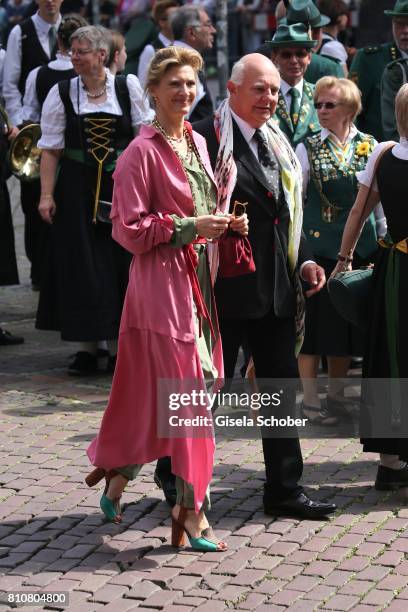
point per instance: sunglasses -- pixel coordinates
(301, 54)
(328, 105)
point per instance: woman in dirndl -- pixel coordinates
(384, 421)
(86, 123)
(330, 161)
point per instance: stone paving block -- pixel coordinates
(249, 577)
(341, 602)
(128, 578)
(93, 582)
(142, 590)
(393, 582)
(214, 606)
(251, 602)
(282, 548)
(304, 583)
(355, 564)
(334, 553)
(321, 593)
(302, 605)
(285, 597)
(194, 602)
(266, 562)
(122, 605)
(270, 586)
(356, 587)
(110, 592)
(231, 593)
(160, 599)
(42, 579)
(216, 581)
(390, 558)
(319, 568)
(199, 568)
(370, 549)
(264, 540)
(378, 598)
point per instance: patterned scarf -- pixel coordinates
(225, 174)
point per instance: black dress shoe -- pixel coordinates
(83, 364)
(300, 507)
(7, 339)
(168, 485)
(391, 480)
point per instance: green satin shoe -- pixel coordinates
(201, 544)
(109, 508)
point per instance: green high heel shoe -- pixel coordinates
(200, 544)
(110, 509)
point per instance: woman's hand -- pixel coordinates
(341, 266)
(47, 208)
(240, 224)
(212, 226)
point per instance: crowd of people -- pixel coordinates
(142, 179)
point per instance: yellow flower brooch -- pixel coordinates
(363, 148)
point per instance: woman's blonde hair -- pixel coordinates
(350, 94)
(171, 57)
(401, 110)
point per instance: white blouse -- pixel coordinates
(53, 119)
(400, 151)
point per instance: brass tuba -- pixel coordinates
(24, 155)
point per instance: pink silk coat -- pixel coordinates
(156, 339)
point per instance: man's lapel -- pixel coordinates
(307, 114)
(282, 113)
(244, 155)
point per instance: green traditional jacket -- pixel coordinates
(366, 71)
(321, 66)
(331, 192)
(307, 123)
(394, 76)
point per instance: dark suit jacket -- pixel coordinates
(253, 295)
(205, 106)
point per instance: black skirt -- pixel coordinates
(8, 262)
(85, 271)
(326, 332)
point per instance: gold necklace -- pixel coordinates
(192, 150)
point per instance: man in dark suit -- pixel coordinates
(262, 305)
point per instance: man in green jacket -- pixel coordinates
(291, 54)
(368, 67)
(306, 12)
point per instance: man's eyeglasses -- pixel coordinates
(79, 52)
(328, 105)
(301, 54)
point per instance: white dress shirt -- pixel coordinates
(200, 87)
(248, 133)
(31, 105)
(285, 87)
(53, 119)
(12, 66)
(146, 57)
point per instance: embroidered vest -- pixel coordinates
(331, 193)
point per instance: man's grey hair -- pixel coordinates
(237, 72)
(183, 18)
(98, 37)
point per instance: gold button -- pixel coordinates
(316, 234)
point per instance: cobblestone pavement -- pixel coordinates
(54, 539)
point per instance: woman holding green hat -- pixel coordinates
(330, 161)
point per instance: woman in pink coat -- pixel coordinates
(163, 212)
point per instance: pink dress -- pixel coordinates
(156, 339)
